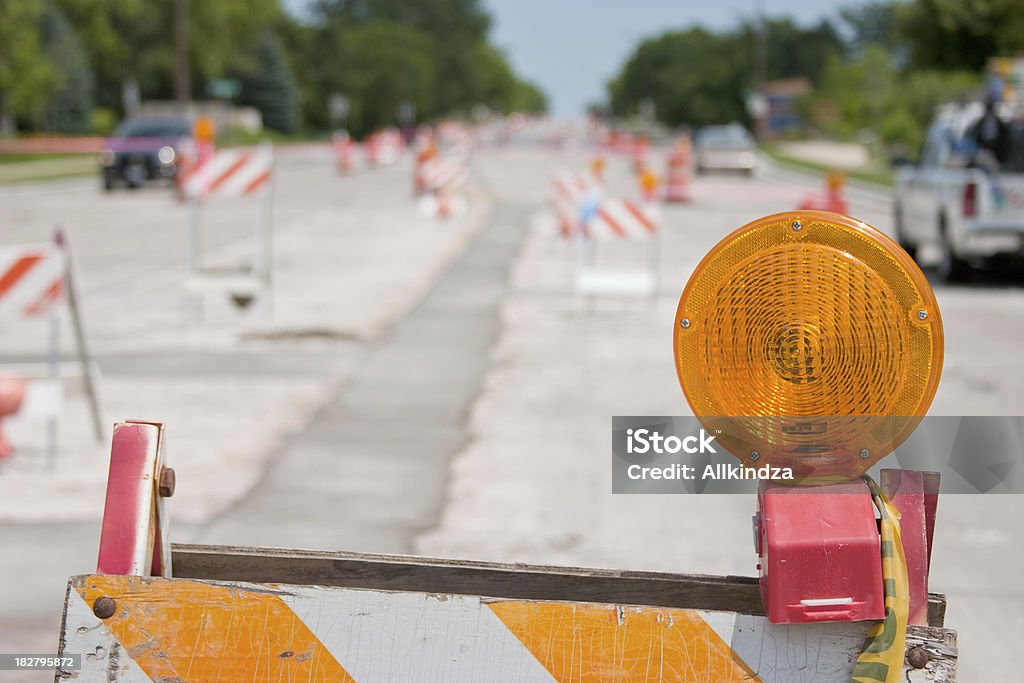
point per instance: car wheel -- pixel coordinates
(951, 268)
(901, 235)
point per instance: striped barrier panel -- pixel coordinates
(441, 174)
(620, 219)
(35, 280)
(230, 173)
(569, 191)
(384, 147)
(439, 180)
(237, 614)
(31, 279)
(617, 221)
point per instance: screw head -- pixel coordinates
(104, 607)
(865, 453)
(165, 486)
(918, 657)
(684, 323)
(797, 226)
(922, 315)
(755, 456)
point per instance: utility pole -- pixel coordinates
(760, 66)
(182, 84)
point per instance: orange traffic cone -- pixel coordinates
(677, 184)
(833, 199)
(12, 394)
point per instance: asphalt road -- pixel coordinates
(453, 400)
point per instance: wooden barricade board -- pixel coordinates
(291, 616)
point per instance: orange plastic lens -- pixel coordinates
(809, 315)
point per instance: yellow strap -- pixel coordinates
(881, 658)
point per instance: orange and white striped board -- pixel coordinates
(384, 147)
(130, 628)
(441, 174)
(621, 219)
(569, 190)
(231, 173)
(31, 279)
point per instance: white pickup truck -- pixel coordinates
(966, 194)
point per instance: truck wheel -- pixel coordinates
(901, 235)
(952, 268)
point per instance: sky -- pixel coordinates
(571, 48)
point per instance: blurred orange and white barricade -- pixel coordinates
(384, 147)
(568, 191)
(611, 224)
(231, 173)
(441, 180)
(36, 281)
(346, 151)
(679, 172)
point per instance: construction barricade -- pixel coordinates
(679, 173)
(615, 222)
(569, 190)
(230, 173)
(157, 612)
(346, 152)
(384, 147)
(36, 280)
(441, 180)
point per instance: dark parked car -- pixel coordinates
(143, 149)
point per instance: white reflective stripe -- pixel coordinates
(31, 286)
(423, 637)
(615, 220)
(237, 184)
(785, 653)
(97, 645)
(825, 602)
(259, 161)
(198, 182)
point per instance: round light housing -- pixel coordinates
(808, 340)
(166, 154)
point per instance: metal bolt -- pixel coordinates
(918, 657)
(684, 323)
(922, 315)
(104, 607)
(166, 482)
(797, 225)
(755, 456)
(864, 453)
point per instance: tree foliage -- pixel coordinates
(698, 77)
(26, 75)
(69, 108)
(269, 85)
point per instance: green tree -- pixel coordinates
(134, 40)
(954, 34)
(69, 108)
(26, 76)
(698, 77)
(269, 85)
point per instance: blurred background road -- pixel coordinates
(458, 407)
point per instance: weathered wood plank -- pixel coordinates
(520, 581)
